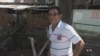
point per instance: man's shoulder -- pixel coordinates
(67, 26)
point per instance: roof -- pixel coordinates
(21, 5)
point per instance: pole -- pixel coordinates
(56, 2)
(32, 44)
(67, 10)
(17, 17)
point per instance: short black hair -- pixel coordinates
(54, 7)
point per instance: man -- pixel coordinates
(62, 36)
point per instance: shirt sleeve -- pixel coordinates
(73, 35)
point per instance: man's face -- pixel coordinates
(54, 16)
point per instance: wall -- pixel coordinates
(88, 20)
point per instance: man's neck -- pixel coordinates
(55, 25)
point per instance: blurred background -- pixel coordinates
(24, 23)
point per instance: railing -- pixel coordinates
(87, 24)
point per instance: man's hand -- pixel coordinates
(79, 47)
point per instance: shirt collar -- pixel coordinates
(59, 24)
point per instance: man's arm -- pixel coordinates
(79, 47)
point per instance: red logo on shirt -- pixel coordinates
(59, 36)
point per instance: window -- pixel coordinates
(6, 0)
(86, 4)
(53, 2)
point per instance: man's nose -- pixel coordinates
(52, 16)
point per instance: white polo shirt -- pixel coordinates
(62, 38)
